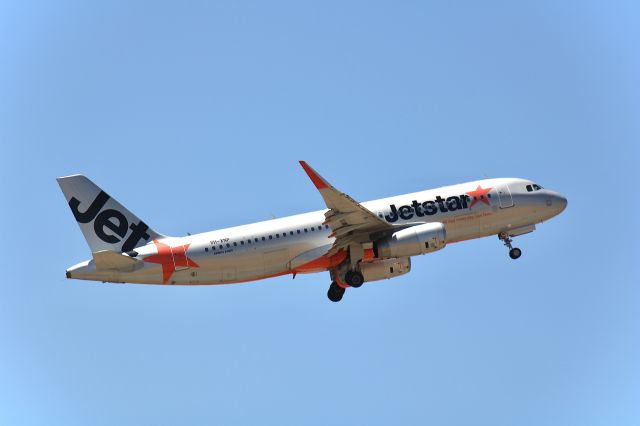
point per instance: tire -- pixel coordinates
(335, 292)
(515, 253)
(354, 279)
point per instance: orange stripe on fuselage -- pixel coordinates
(331, 262)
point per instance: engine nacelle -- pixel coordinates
(384, 269)
(418, 239)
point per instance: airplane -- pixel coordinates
(355, 242)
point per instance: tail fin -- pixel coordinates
(105, 223)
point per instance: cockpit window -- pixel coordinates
(533, 187)
(529, 188)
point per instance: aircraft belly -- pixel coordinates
(485, 223)
(233, 267)
(276, 261)
(246, 268)
(237, 266)
(476, 224)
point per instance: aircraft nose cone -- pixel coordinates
(562, 203)
(557, 202)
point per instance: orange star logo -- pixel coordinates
(170, 258)
(479, 195)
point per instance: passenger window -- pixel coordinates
(206, 249)
(290, 232)
(263, 238)
(298, 231)
(277, 235)
(255, 239)
(235, 244)
(220, 246)
(228, 245)
(271, 237)
(249, 241)
(242, 242)
(305, 230)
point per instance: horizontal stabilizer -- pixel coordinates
(107, 259)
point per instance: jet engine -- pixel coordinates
(384, 269)
(418, 239)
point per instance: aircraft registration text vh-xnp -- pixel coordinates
(355, 242)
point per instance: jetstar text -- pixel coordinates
(428, 208)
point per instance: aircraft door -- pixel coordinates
(506, 200)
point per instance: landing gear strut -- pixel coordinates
(514, 252)
(335, 292)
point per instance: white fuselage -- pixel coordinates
(294, 244)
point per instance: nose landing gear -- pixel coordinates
(514, 252)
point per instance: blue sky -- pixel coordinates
(194, 117)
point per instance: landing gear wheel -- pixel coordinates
(354, 279)
(515, 253)
(335, 292)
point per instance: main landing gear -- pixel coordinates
(335, 292)
(514, 252)
(353, 279)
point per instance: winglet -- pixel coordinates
(317, 180)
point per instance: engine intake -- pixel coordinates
(418, 239)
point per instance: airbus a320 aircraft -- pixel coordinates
(355, 242)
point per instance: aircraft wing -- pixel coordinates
(349, 220)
